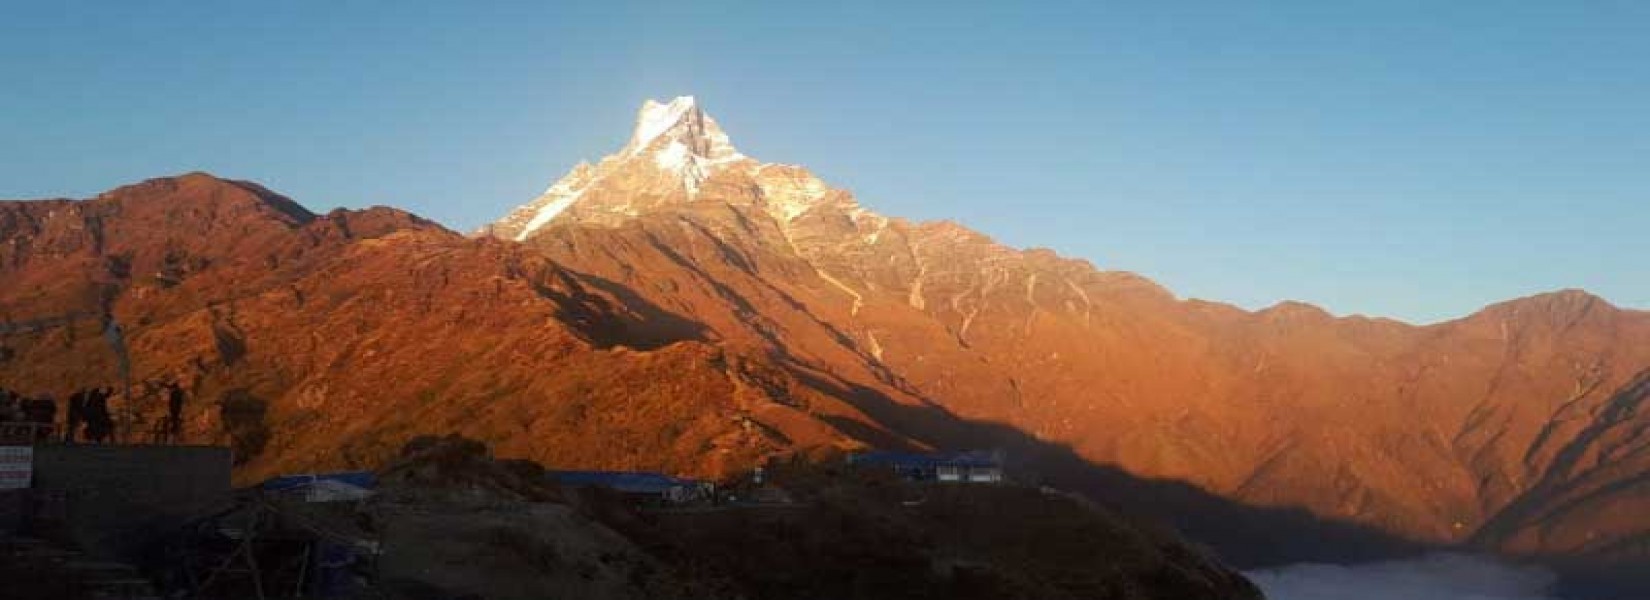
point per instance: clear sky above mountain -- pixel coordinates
(1402, 158)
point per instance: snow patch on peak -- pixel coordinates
(674, 157)
(580, 174)
(692, 168)
(547, 213)
(790, 191)
(681, 121)
(655, 119)
(558, 198)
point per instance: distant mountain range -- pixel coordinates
(680, 306)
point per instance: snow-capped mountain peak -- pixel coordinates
(673, 151)
(655, 118)
(680, 122)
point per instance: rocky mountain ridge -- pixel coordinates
(679, 306)
(1428, 431)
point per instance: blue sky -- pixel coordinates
(1413, 159)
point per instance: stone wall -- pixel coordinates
(114, 500)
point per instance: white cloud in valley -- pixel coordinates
(1432, 577)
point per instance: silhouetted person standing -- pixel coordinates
(99, 424)
(108, 416)
(174, 411)
(15, 408)
(76, 416)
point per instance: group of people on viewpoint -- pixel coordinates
(87, 417)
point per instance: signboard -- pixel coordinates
(16, 467)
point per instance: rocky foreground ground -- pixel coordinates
(456, 524)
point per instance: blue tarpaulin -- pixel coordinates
(323, 487)
(360, 479)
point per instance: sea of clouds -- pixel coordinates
(1431, 577)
